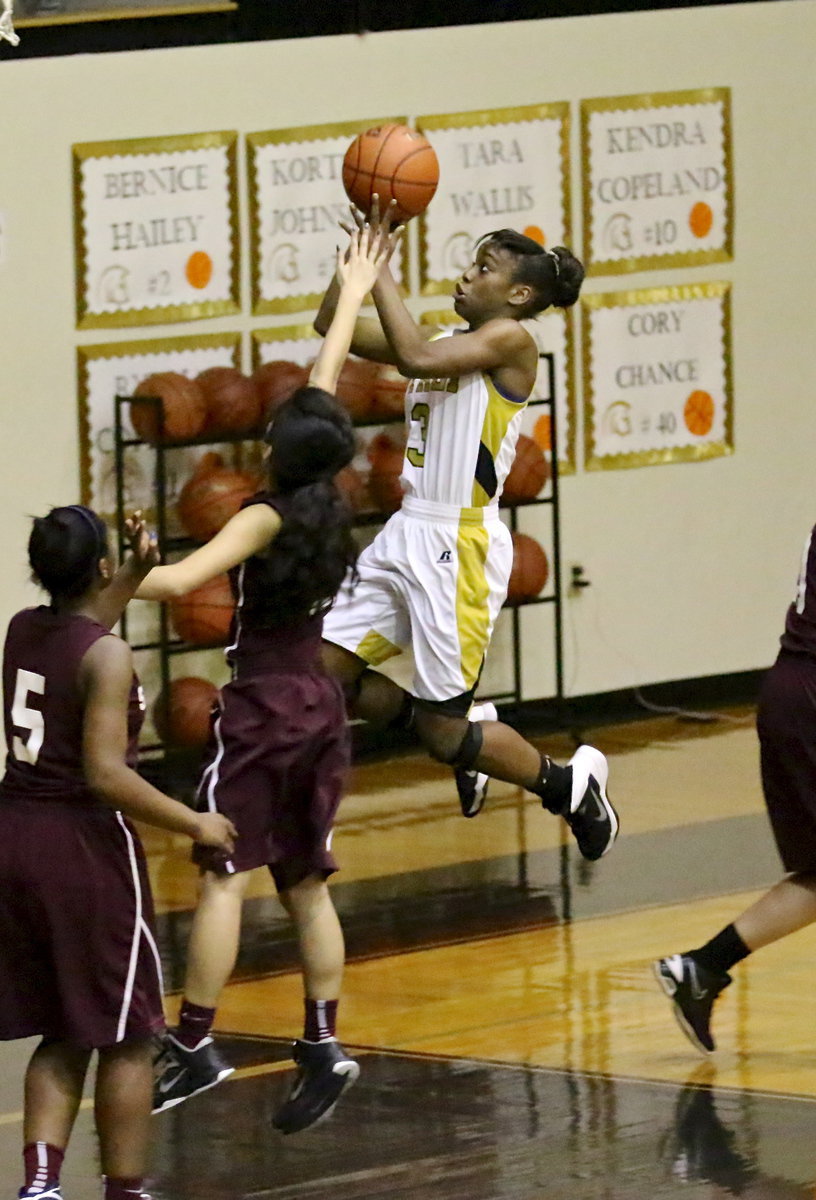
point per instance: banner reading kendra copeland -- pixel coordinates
(657, 180)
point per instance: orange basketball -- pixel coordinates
(396, 163)
(232, 400)
(275, 381)
(388, 393)
(182, 716)
(355, 388)
(210, 497)
(698, 413)
(528, 474)
(386, 457)
(530, 570)
(351, 485)
(203, 616)
(183, 406)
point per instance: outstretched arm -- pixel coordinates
(498, 343)
(357, 271)
(143, 556)
(247, 533)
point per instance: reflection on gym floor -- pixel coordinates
(499, 997)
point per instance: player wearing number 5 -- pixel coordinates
(436, 576)
(78, 959)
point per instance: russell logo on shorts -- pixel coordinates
(445, 557)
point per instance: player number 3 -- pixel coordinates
(23, 717)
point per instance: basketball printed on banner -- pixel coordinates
(395, 163)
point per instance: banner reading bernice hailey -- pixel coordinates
(506, 168)
(657, 180)
(296, 201)
(657, 376)
(156, 230)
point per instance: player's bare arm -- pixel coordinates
(106, 677)
(247, 533)
(368, 340)
(142, 557)
(357, 269)
(501, 347)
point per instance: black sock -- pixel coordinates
(554, 786)
(722, 952)
(405, 717)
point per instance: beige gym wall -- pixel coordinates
(691, 565)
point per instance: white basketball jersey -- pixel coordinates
(462, 437)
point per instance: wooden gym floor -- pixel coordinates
(499, 995)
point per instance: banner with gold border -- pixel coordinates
(105, 372)
(657, 376)
(506, 167)
(156, 230)
(553, 333)
(296, 201)
(657, 180)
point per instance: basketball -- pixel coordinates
(396, 163)
(355, 388)
(274, 382)
(183, 406)
(232, 401)
(203, 616)
(530, 570)
(351, 486)
(386, 457)
(182, 716)
(388, 393)
(528, 473)
(211, 496)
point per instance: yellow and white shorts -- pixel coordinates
(434, 579)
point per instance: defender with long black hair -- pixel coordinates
(280, 749)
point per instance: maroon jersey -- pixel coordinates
(800, 623)
(43, 706)
(265, 636)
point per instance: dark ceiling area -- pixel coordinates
(265, 20)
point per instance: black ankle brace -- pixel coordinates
(554, 786)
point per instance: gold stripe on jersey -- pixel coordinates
(472, 596)
(375, 649)
(498, 415)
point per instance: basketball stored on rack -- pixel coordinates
(182, 408)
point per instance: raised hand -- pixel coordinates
(382, 226)
(142, 542)
(359, 266)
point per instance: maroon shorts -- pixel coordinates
(78, 958)
(786, 723)
(277, 766)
